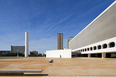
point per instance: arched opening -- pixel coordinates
(85, 49)
(99, 46)
(94, 47)
(82, 50)
(104, 46)
(88, 49)
(112, 44)
(91, 48)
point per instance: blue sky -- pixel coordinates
(43, 19)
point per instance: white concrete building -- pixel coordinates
(66, 53)
(103, 47)
(98, 37)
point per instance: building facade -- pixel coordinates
(18, 49)
(99, 36)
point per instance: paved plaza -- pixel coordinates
(63, 66)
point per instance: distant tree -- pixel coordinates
(34, 53)
(44, 55)
(12, 54)
(40, 55)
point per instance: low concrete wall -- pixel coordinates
(59, 53)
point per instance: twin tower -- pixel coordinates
(59, 41)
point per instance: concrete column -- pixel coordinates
(26, 44)
(103, 55)
(89, 55)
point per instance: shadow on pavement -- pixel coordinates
(24, 75)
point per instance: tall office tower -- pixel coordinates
(59, 41)
(26, 44)
(70, 38)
